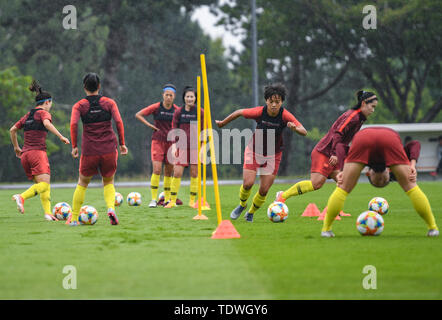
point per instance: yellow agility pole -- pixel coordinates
(210, 133)
(199, 216)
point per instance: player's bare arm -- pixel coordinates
(229, 118)
(140, 117)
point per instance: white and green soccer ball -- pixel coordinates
(379, 205)
(277, 212)
(62, 211)
(119, 199)
(370, 223)
(88, 215)
(134, 199)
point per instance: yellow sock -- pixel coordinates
(166, 184)
(193, 188)
(77, 201)
(299, 188)
(35, 189)
(334, 206)
(244, 196)
(422, 206)
(45, 198)
(109, 195)
(175, 187)
(258, 200)
(154, 184)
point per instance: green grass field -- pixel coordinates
(164, 254)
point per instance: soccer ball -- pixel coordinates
(134, 199)
(370, 223)
(277, 212)
(88, 215)
(379, 205)
(62, 211)
(118, 199)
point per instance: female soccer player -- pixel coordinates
(379, 148)
(98, 146)
(185, 118)
(271, 119)
(330, 151)
(163, 115)
(36, 124)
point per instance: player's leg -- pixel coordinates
(168, 172)
(351, 174)
(45, 196)
(78, 198)
(249, 177)
(35, 163)
(193, 184)
(155, 182)
(266, 181)
(109, 198)
(175, 185)
(417, 196)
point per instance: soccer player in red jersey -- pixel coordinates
(98, 146)
(381, 149)
(330, 151)
(163, 114)
(185, 149)
(36, 124)
(258, 155)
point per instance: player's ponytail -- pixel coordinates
(41, 96)
(91, 82)
(362, 95)
(189, 89)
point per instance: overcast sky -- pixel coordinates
(207, 22)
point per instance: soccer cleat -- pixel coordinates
(433, 233)
(50, 217)
(74, 223)
(152, 204)
(249, 217)
(20, 203)
(236, 213)
(327, 234)
(112, 216)
(170, 204)
(279, 197)
(179, 202)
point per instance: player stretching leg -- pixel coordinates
(163, 115)
(99, 145)
(380, 149)
(258, 155)
(330, 151)
(36, 124)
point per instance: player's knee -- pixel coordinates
(317, 184)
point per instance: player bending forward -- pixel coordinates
(271, 119)
(379, 148)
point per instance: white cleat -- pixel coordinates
(153, 204)
(20, 203)
(327, 234)
(50, 217)
(433, 233)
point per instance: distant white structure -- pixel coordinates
(426, 133)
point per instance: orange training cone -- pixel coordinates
(225, 230)
(311, 211)
(204, 205)
(323, 213)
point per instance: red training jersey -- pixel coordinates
(98, 138)
(341, 132)
(266, 122)
(187, 121)
(34, 139)
(162, 119)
